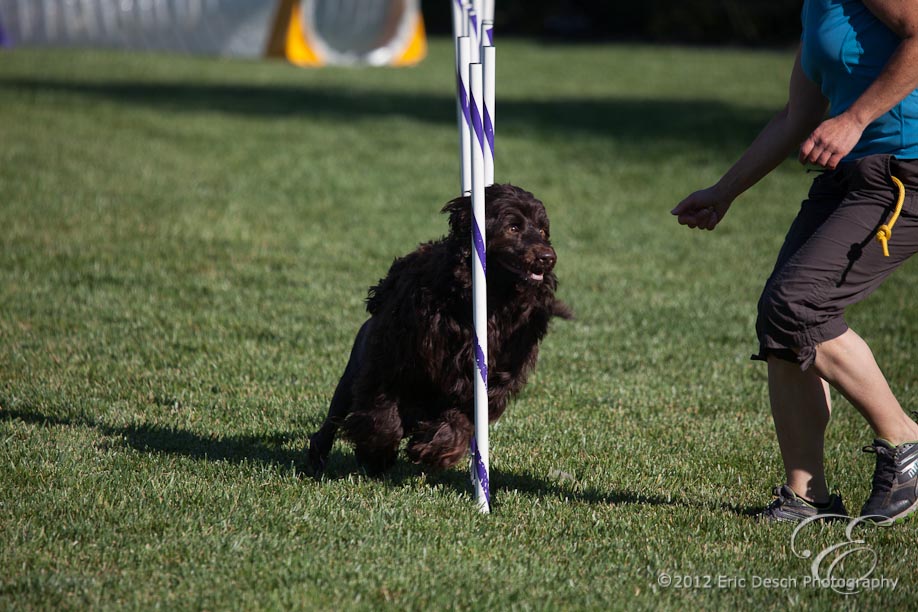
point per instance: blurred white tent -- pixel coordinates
(305, 32)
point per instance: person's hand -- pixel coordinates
(703, 209)
(831, 141)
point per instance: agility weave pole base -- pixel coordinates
(475, 106)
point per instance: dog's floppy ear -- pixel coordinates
(460, 216)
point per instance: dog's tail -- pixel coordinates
(562, 310)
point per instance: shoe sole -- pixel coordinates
(892, 519)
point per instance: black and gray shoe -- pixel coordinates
(788, 507)
(894, 494)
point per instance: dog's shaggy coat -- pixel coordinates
(410, 372)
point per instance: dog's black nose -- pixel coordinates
(547, 258)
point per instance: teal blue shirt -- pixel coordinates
(844, 48)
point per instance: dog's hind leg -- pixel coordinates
(320, 443)
(376, 434)
(442, 443)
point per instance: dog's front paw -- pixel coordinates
(316, 458)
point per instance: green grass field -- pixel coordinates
(185, 246)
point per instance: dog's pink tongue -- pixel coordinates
(536, 277)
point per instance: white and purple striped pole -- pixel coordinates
(474, 18)
(480, 449)
(487, 20)
(458, 23)
(480, 444)
(476, 138)
(488, 57)
(474, 29)
(463, 50)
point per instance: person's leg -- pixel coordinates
(848, 364)
(829, 261)
(799, 398)
(800, 407)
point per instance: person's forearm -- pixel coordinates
(773, 145)
(805, 108)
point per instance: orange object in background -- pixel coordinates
(304, 32)
(320, 32)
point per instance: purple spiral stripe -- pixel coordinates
(489, 130)
(481, 472)
(476, 123)
(463, 100)
(479, 247)
(481, 362)
(490, 33)
(476, 233)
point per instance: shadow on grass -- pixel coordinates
(633, 121)
(270, 450)
(169, 440)
(538, 487)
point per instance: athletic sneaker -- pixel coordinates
(788, 507)
(895, 482)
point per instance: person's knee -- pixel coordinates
(778, 327)
(776, 310)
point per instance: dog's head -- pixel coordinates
(517, 232)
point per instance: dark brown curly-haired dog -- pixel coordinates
(410, 373)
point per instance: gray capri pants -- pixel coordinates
(831, 258)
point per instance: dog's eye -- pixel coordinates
(543, 233)
(514, 229)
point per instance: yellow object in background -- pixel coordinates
(320, 32)
(304, 32)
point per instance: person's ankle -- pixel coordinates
(812, 496)
(905, 437)
(900, 441)
(905, 433)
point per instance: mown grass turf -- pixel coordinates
(185, 248)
